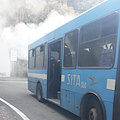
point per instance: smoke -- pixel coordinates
(19, 36)
(36, 5)
(4, 61)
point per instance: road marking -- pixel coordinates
(23, 116)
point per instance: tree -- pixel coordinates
(31, 12)
(82, 5)
(57, 6)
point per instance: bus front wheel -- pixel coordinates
(93, 111)
(39, 92)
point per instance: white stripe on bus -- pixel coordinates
(41, 76)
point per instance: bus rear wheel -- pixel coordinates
(39, 92)
(93, 111)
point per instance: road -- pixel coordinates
(17, 103)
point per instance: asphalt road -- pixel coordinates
(17, 103)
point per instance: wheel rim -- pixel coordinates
(92, 115)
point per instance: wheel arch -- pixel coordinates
(87, 96)
(39, 82)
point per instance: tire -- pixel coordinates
(93, 111)
(39, 92)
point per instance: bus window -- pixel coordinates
(98, 41)
(70, 49)
(91, 31)
(31, 59)
(109, 28)
(39, 57)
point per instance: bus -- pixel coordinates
(77, 66)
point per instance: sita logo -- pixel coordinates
(74, 80)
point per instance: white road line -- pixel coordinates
(23, 116)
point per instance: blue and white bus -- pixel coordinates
(77, 66)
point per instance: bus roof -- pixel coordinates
(104, 8)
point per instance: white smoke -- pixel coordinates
(19, 36)
(4, 61)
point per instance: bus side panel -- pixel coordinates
(78, 98)
(109, 107)
(32, 83)
(78, 82)
(67, 100)
(63, 98)
(44, 91)
(35, 76)
(71, 101)
(32, 86)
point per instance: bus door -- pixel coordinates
(116, 103)
(54, 71)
